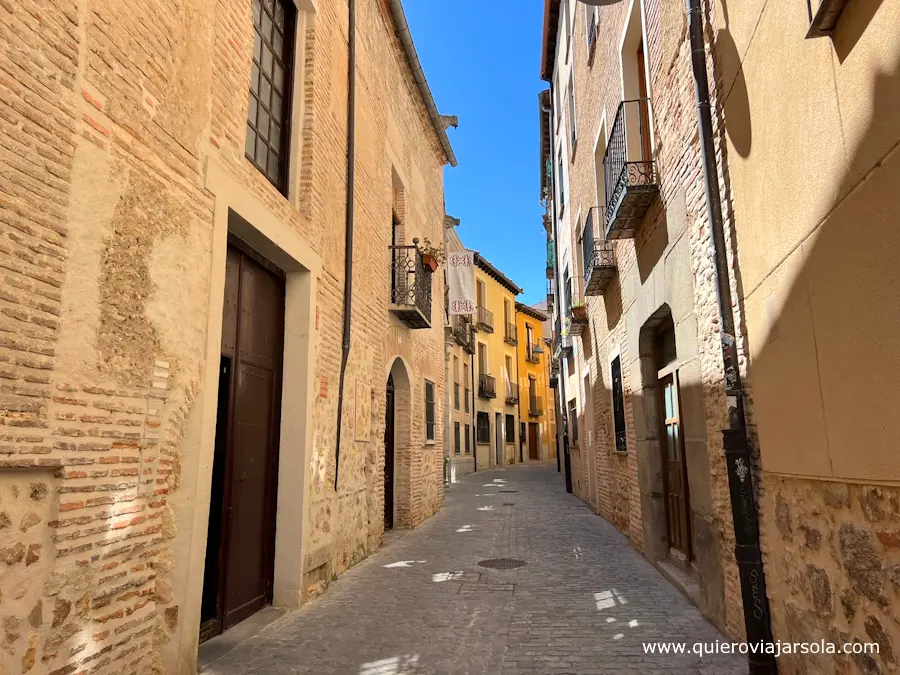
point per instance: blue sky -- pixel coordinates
(482, 61)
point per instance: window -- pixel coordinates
(573, 127)
(456, 382)
(590, 26)
(429, 411)
(482, 359)
(510, 429)
(573, 420)
(266, 144)
(483, 428)
(618, 395)
(564, 17)
(466, 387)
(561, 183)
(468, 440)
(456, 445)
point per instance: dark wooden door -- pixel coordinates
(498, 438)
(644, 105)
(675, 483)
(389, 456)
(532, 440)
(242, 513)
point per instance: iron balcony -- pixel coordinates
(533, 353)
(512, 393)
(535, 405)
(629, 172)
(484, 320)
(487, 386)
(410, 286)
(598, 254)
(464, 334)
(512, 334)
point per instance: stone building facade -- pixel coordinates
(145, 220)
(813, 209)
(637, 307)
(815, 297)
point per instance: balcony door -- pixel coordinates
(675, 483)
(646, 150)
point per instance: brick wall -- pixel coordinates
(109, 111)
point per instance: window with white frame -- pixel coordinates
(573, 126)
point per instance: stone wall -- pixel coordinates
(110, 116)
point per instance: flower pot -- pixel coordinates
(430, 261)
(579, 314)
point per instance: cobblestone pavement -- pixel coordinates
(585, 602)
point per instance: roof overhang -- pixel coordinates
(496, 274)
(551, 29)
(531, 311)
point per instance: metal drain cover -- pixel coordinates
(509, 503)
(507, 491)
(502, 563)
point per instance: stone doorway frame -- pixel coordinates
(237, 210)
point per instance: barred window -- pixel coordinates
(618, 393)
(268, 115)
(468, 440)
(483, 428)
(456, 446)
(429, 410)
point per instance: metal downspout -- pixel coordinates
(737, 448)
(348, 244)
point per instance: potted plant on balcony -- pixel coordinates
(579, 312)
(432, 256)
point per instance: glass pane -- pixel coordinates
(256, 11)
(251, 113)
(275, 135)
(270, 6)
(670, 402)
(273, 166)
(263, 125)
(278, 44)
(279, 16)
(257, 46)
(254, 79)
(265, 91)
(276, 106)
(267, 62)
(672, 442)
(261, 150)
(250, 142)
(278, 78)
(266, 27)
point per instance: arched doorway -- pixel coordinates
(389, 438)
(397, 442)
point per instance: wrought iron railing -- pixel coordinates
(551, 258)
(597, 252)
(533, 352)
(487, 386)
(410, 280)
(535, 405)
(456, 395)
(485, 320)
(628, 162)
(512, 334)
(463, 333)
(512, 393)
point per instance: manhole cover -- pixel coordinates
(509, 503)
(502, 563)
(507, 491)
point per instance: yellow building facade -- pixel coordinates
(496, 403)
(537, 427)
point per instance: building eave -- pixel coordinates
(531, 311)
(496, 274)
(551, 29)
(412, 58)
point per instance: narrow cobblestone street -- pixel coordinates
(584, 602)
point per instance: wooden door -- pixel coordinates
(389, 456)
(644, 105)
(533, 441)
(498, 438)
(241, 535)
(675, 484)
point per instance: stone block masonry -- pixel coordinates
(113, 117)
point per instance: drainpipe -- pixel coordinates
(474, 431)
(562, 418)
(519, 385)
(348, 244)
(737, 448)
